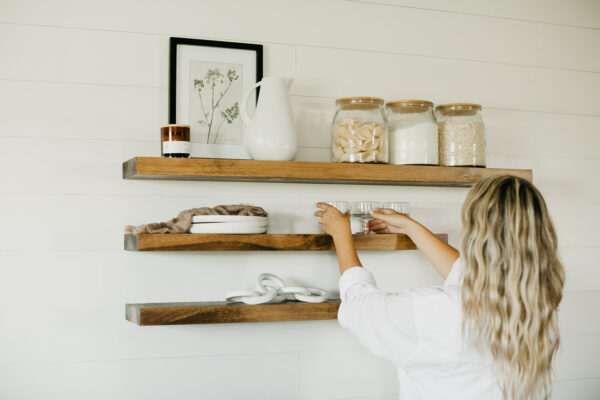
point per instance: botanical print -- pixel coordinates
(215, 97)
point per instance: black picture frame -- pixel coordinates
(176, 41)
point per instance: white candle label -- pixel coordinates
(177, 147)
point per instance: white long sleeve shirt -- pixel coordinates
(420, 332)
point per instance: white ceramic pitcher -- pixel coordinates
(270, 133)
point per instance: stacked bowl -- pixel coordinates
(229, 224)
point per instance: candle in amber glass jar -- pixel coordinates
(175, 141)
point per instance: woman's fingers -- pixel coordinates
(323, 206)
(318, 213)
(377, 224)
(387, 211)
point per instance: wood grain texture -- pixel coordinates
(262, 242)
(307, 172)
(223, 312)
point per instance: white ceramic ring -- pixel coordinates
(321, 296)
(261, 298)
(289, 292)
(237, 295)
(279, 297)
(276, 281)
(295, 290)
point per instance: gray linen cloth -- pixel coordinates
(183, 221)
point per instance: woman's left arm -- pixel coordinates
(337, 225)
(383, 322)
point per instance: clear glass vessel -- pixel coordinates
(341, 205)
(461, 135)
(398, 206)
(359, 131)
(362, 210)
(413, 132)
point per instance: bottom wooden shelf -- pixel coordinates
(219, 312)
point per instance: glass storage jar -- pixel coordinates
(359, 131)
(461, 135)
(413, 132)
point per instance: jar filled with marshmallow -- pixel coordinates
(359, 131)
(413, 132)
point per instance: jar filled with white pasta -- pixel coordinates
(461, 135)
(359, 131)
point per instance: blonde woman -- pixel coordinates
(490, 332)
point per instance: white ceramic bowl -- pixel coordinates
(228, 227)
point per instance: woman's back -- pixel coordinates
(492, 330)
(420, 331)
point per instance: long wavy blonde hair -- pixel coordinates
(513, 282)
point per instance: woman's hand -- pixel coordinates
(439, 253)
(334, 223)
(389, 221)
(337, 225)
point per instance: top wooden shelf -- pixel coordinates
(214, 169)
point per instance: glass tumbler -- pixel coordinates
(361, 210)
(341, 205)
(398, 206)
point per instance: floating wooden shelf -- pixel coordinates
(223, 312)
(262, 242)
(208, 169)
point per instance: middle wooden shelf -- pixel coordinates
(262, 242)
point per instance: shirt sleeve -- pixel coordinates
(383, 322)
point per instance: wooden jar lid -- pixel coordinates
(458, 109)
(409, 106)
(359, 103)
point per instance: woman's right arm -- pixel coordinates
(440, 254)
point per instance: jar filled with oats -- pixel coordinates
(359, 131)
(461, 135)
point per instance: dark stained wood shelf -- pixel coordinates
(223, 312)
(208, 169)
(262, 242)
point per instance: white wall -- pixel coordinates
(83, 87)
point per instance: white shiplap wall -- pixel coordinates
(83, 87)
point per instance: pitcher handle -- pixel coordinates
(243, 108)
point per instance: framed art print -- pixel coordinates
(207, 80)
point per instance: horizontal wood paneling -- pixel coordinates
(577, 357)
(576, 13)
(66, 110)
(184, 378)
(582, 268)
(578, 94)
(580, 389)
(528, 43)
(100, 57)
(95, 57)
(326, 73)
(371, 375)
(573, 313)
